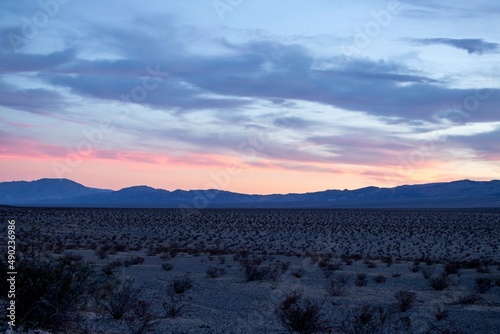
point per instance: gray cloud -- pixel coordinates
(38, 101)
(263, 70)
(472, 46)
(271, 71)
(293, 122)
(22, 62)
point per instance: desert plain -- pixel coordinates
(178, 271)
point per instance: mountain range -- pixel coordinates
(67, 193)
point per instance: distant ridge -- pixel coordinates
(67, 193)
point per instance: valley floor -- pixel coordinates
(229, 271)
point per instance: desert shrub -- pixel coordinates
(403, 325)
(387, 260)
(257, 272)
(483, 268)
(466, 299)
(483, 284)
(133, 261)
(451, 267)
(165, 256)
(441, 313)
(415, 267)
(214, 272)
(121, 299)
(50, 291)
(367, 319)
(427, 271)
(334, 266)
(167, 266)
(361, 279)
(356, 256)
(435, 329)
(440, 282)
(72, 257)
(370, 264)
(103, 251)
(141, 318)
(396, 274)
(173, 252)
(180, 284)
(256, 261)
(284, 266)
(337, 286)
(175, 306)
(405, 299)
(298, 272)
(119, 247)
(323, 262)
(380, 279)
(328, 268)
(303, 316)
(110, 268)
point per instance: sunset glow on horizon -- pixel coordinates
(253, 97)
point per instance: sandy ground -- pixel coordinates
(416, 242)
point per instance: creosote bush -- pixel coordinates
(141, 319)
(361, 279)
(111, 267)
(441, 313)
(121, 299)
(427, 271)
(452, 267)
(440, 282)
(50, 291)
(133, 261)
(483, 284)
(466, 299)
(405, 299)
(301, 315)
(337, 286)
(214, 272)
(380, 279)
(180, 284)
(298, 272)
(175, 306)
(259, 272)
(167, 266)
(367, 319)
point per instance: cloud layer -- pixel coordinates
(472, 46)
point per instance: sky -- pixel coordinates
(252, 96)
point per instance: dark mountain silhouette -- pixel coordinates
(42, 191)
(66, 193)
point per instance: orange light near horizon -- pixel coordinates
(113, 169)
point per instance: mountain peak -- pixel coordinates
(138, 188)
